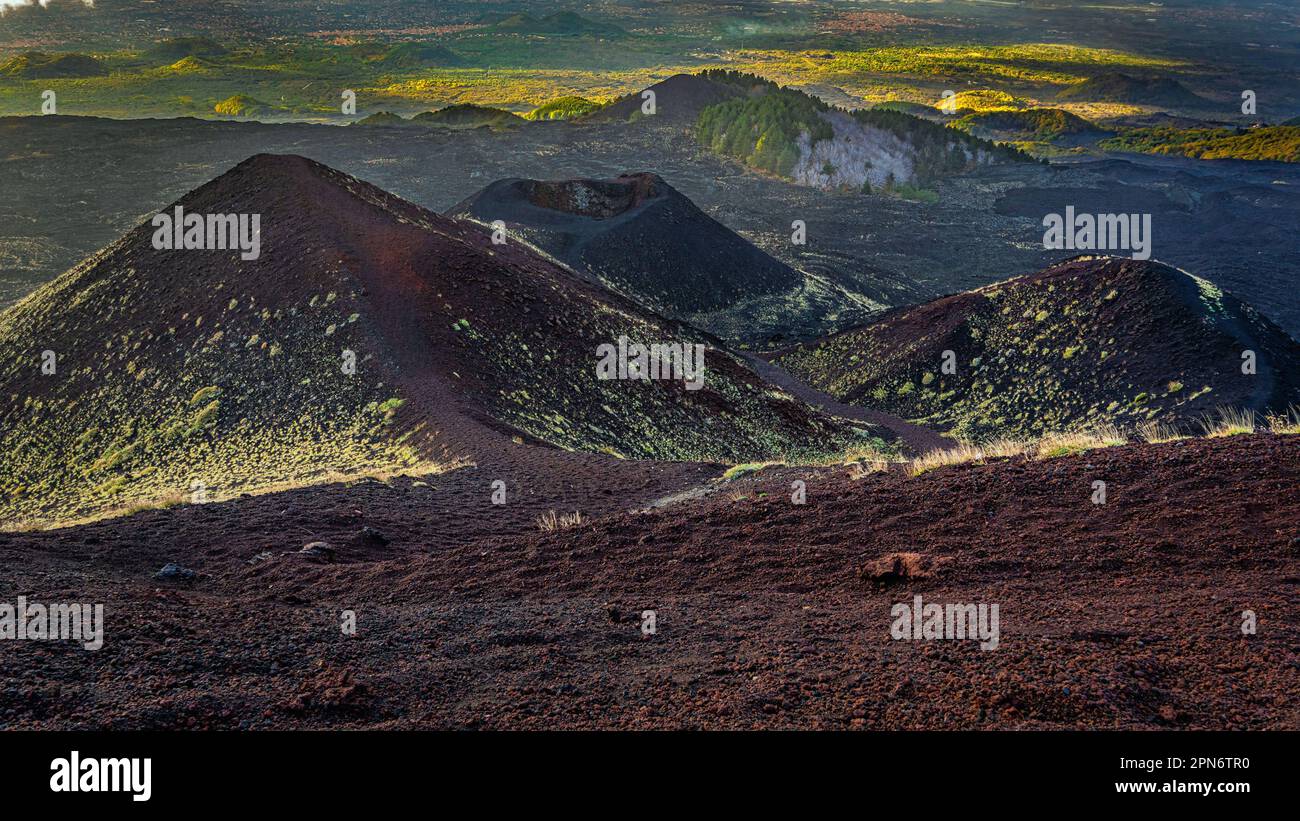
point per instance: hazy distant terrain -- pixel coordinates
(296, 58)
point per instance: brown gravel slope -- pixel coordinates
(1122, 615)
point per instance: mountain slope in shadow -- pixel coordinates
(637, 234)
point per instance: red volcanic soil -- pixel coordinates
(769, 614)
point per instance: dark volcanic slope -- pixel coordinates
(637, 234)
(36, 65)
(565, 23)
(1118, 616)
(468, 115)
(1090, 340)
(176, 367)
(678, 101)
(1123, 88)
(459, 116)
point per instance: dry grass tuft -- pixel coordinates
(1070, 443)
(1155, 433)
(1230, 422)
(737, 471)
(864, 460)
(1049, 446)
(161, 503)
(861, 470)
(865, 453)
(551, 522)
(1285, 424)
(960, 455)
(967, 452)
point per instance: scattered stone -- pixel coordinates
(172, 572)
(898, 567)
(370, 536)
(318, 551)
